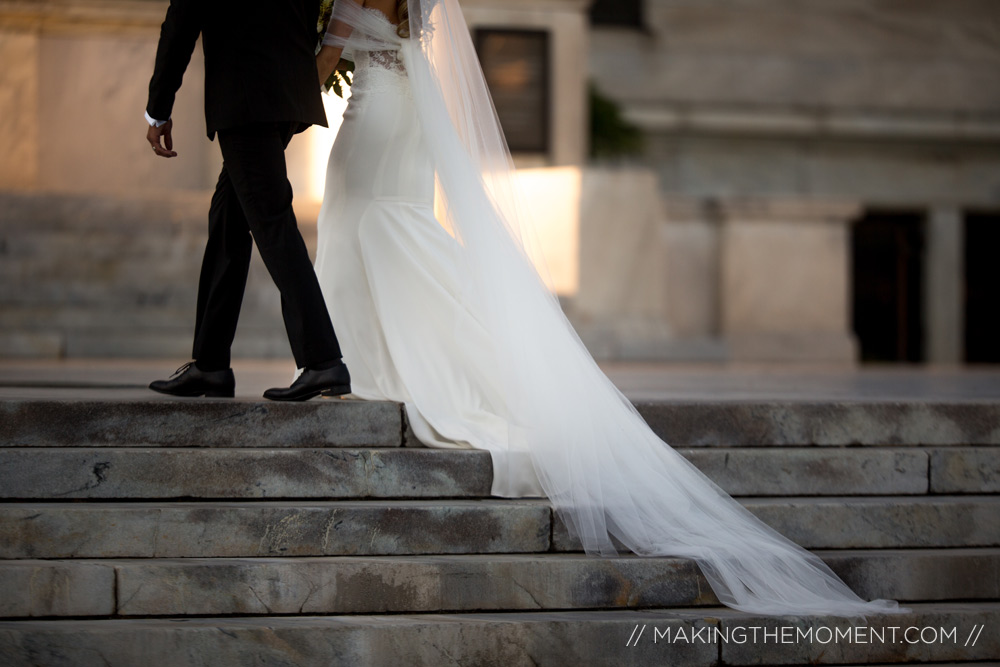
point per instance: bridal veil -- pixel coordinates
(605, 472)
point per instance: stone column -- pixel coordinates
(786, 281)
(943, 296)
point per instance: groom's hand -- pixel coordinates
(153, 136)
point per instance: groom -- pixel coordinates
(260, 89)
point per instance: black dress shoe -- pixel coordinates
(189, 380)
(334, 381)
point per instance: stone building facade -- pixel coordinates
(819, 180)
(830, 171)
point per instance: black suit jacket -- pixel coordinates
(260, 62)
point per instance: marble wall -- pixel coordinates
(19, 109)
(73, 88)
(619, 309)
(741, 279)
(854, 104)
(73, 92)
(784, 286)
(879, 171)
(100, 239)
(769, 125)
(917, 56)
(860, 99)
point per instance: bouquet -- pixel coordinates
(340, 77)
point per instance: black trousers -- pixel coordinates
(253, 197)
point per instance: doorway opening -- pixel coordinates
(982, 285)
(888, 276)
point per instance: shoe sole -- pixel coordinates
(336, 390)
(206, 394)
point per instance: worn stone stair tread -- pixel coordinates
(866, 522)
(129, 471)
(245, 472)
(417, 584)
(201, 422)
(821, 471)
(866, 421)
(286, 528)
(518, 638)
(117, 544)
(681, 424)
(311, 528)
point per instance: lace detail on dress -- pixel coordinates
(389, 60)
(382, 70)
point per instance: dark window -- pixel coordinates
(887, 257)
(617, 12)
(982, 285)
(516, 65)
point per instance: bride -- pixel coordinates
(424, 262)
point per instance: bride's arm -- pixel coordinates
(333, 46)
(327, 60)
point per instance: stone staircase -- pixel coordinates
(220, 532)
(99, 276)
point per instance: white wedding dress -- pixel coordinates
(390, 274)
(455, 324)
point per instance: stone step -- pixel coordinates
(267, 528)
(142, 473)
(816, 471)
(746, 424)
(200, 423)
(853, 522)
(405, 527)
(172, 340)
(682, 425)
(269, 342)
(952, 632)
(419, 584)
(141, 311)
(66, 301)
(964, 470)
(22, 212)
(241, 472)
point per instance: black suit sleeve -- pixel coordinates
(178, 35)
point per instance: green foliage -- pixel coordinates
(325, 12)
(339, 79)
(611, 136)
